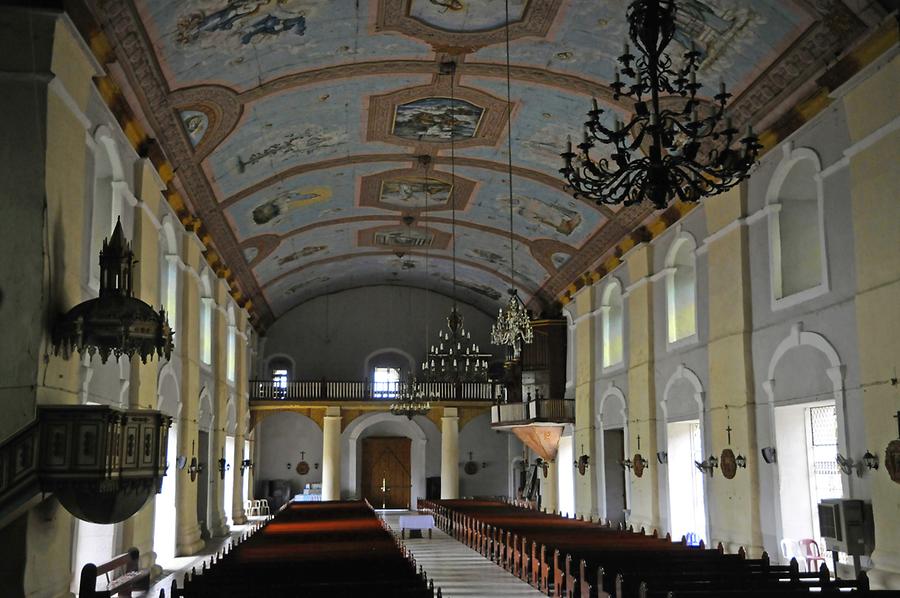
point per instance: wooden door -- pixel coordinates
(385, 460)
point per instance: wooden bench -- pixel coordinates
(133, 579)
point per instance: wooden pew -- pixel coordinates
(134, 578)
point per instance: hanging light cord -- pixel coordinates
(453, 174)
(512, 268)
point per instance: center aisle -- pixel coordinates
(457, 569)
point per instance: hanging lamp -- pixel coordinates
(116, 322)
(683, 151)
(455, 358)
(513, 325)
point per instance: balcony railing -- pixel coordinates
(536, 410)
(365, 390)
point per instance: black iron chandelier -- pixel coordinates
(456, 358)
(412, 400)
(115, 322)
(676, 146)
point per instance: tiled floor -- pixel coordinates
(457, 569)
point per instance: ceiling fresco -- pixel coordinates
(312, 137)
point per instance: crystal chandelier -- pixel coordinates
(456, 358)
(115, 322)
(513, 326)
(412, 400)
(690, 149)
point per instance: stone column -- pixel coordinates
(218, 519)
(733, 504)
(331, 454)
(874, 188)
(450, 453)
(238, 517)
(187, 338)
(642, 389)
(550, 488)
(584, 440)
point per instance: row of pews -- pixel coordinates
(312, 550)
(572, 558)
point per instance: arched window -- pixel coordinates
(612, 323)
(106, 204)
(206, 308)
(168, 269)
(796, 236)
(681, 289)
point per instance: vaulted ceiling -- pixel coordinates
(297, 128)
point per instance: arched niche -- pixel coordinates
(284, 439)
(681, 289)
(612, 324)
(413, 429)
(797, 255)
(614, 490)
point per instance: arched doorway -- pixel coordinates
(164, 509)
(682, 408)
(612, 440)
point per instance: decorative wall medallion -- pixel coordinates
(468, 24)
(404, 190)
(424, 116)
(727, 464)
(638, 465)
(302, 468)
(892, 460)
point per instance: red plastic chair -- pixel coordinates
(811, 552)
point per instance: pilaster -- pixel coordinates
(584, 440)
(734, 509)
(331, 454)
(642, 428)
(872, 117)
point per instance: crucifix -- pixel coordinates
(639, 441)
(728, 429)
(897, 417)
(302, 455)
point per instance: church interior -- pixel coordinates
(586, 297)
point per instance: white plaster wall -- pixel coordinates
(331, 336)
(490, 447)
(281, 437)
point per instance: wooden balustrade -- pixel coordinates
(364, 390)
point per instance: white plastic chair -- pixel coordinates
(263, 507)
(251, 507)
(790, 549)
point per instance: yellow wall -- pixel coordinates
(642, 390)
(733, 504)
(875, 197)
(585, 430)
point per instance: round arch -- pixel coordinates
(367, 367)
(206, 416)
(613, 399)
(350, 443)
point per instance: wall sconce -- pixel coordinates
(223, 467)
(180, 462)
(583, 462)
(713, 461)
(246, 464)
(870, 460)
(741, 461)
(626, 464)
(195, 468)
(848, 465)
(662, 457)
(769, 454)
(704, 466)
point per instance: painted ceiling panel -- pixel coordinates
(738, 38)
(300, 126)
(244, 43)
(302, 130)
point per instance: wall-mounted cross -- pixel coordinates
(728, 429)
(897, 417)
(302, 455)
(639, 441)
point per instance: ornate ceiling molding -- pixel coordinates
(394, 15)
